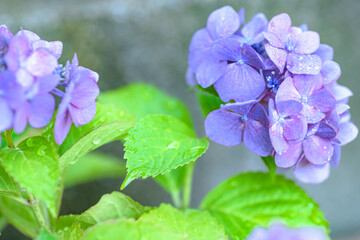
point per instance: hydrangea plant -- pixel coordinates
(265, 83)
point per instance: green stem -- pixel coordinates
(35, 204)
(175, 197)
(188, 185)
(8, 138)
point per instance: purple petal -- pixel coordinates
(295, 128)
(292, 38)
(307, 84)
(256, 26)
(62, 127)
(41, 63)
(273, 114)
(251, 57)
(288, 108)
(228, 49)
(273, 39)
(258, 113)
(312, 114)
(307, 172)
(81, 116)
(5, 37)
(7, 115)
(330, 71)
(92, 75)
(224, 127)
(209, 71)
(55, 47)
(318, 150)
(240, 83)
(21, 116)
(340, 92)
(277, 138)
(190, 78)
(347, 133)
(223, 22)
(280, 25)
(41, 110)
(32, 37)
(277, 55)
(325, 52)
(287, 92)
(335, 160)
(257, 139)
(303, 64)
(85, 91)
(290, 156)
(200, 48)
(304, 27)
(12, 91)
(18, 51)
(329, 127)
(48, 83)
(308, 42)
(24, 78)
(322, 100)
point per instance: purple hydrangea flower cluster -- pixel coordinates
(280, 86)
(30, 77)
(278, 231)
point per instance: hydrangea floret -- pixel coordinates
(280, 89)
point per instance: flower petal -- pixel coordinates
(303, 64)
(224, 127)
(228, 49)
(290, 156)
(335, 160)
(55, 47)
(318, 150)
(240, 83)
(257, 139)
(330, 71)
(21, 116)
(307, 43)
(287, 92)
(209, 71)
(277, 55)
(347, 132)
(307, 172)
(322, 100)
(307, 84)
(62, 127)
(341, 93)
(277, 138)
(280, 25)
(81, 116)
(295, 128)
(256, 26)
(223, 22)
(325, 52)
(48, 83)
(85, 91)
(41, 63)
(7, 115)
(41, 110)
(200, 48)
(252, 58)
(312, 114)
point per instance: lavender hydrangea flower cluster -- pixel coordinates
(280, 86)
(30, 77)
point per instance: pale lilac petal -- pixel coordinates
(288, 108)
(200, 48)
(41, 110)
(55, 47)
(257, 139)
(303, 64)
(308, 42)
(251, 57)
(228, 49)
(290, 156)
(18, 51)
(85, 91)
(340, 92)
(307, 84)
(304, 27)
(82, 116)
(62, 127)
(240, 83)
(31, 36)
(278, 141)
(292, 38)
(312, 114)
(256, 26)
(273, 114)
(21, 116)
(92, 74)
(24, 78)
(41, 63)
(273, 39)
(330, 71)
(325, 52)
(295, 128)
(347, 132)
(341, 108)
(209, 71)
(287, 92)
(307, 172)
(322, 100)
(277, 55)
(318, 150)
(223, 22)
(280, 25)
(224, 127)
(335, 160)
(241, 14)
(7, 115)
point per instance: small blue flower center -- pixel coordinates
(304, 99)
(281, 120)
(289, 47)
(244, 118)
(240, 62)
(273, 82)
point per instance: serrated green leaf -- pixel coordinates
(165, 223)
(34, 165)
(254, 199)
(71, 233)
(94, 166)
(45, 235)
(208, 102)
(111, 206)
(143, 99)
(159, 143)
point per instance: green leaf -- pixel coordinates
(254, 199)
(94, 166)
(158, 144)
(208, 102)
(111, 206)
(164, 223)
(3, 223)
(143, 99)
(34, 165)
(44, 235)
(71, 233)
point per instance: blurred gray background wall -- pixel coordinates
(147, 40)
